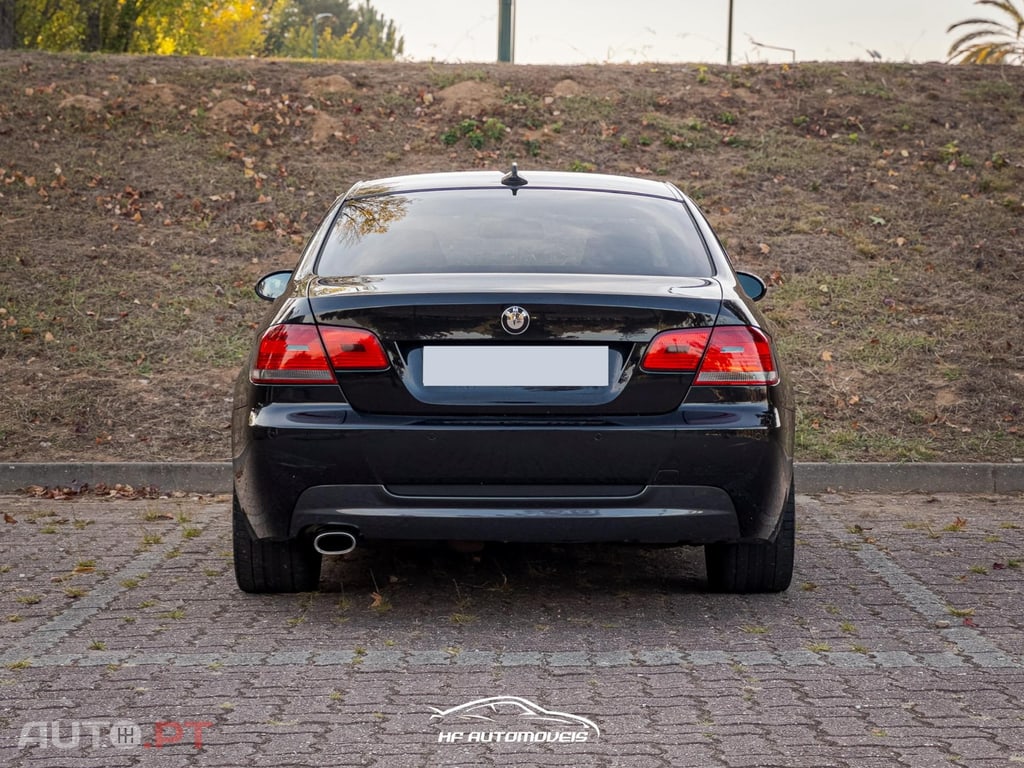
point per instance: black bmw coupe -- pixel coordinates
(522, 357)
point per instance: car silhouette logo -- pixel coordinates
(515, 712)
(515, 320)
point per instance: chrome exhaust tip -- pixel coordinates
(334, 542)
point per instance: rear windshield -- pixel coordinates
(536, 230)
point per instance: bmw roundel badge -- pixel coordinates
(515, 320)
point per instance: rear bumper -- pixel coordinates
(696, 475)
(654, 515)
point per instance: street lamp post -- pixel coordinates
(506, 30)
(316, 20)
(728, 43)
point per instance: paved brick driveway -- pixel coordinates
(899, 644)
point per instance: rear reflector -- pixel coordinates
(294, 354)
(723, 356)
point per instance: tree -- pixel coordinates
(992, 42)
(180, 28)
(360, 33)
(111, 26)
(231, 29)
(45, 24)
(7, 36)
(377, 33)
(200, 27)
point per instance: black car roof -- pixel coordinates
(492, 179)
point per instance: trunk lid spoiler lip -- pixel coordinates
(515, 284)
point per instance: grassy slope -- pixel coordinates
(883, 201)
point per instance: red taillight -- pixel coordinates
(294, 354)
(353, 349)
(738, 354)
(676, 351)
(291, 354)
(732, 355)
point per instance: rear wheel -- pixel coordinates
(271, 565)
(755, 567)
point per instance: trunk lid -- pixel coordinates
(578, 353)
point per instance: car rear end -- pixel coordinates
(553, 363)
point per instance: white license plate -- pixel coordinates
(515, 366)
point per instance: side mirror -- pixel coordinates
(272, 286)
(752, 285)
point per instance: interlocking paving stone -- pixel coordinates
(888, 649)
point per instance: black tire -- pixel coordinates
(271, 565)
(755, 567)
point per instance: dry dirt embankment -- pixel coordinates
(141, 197)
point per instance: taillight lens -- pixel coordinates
(291, 354)
(677, 351)
(353, 349)
(738, 354)
(295, 354)
(723, 356)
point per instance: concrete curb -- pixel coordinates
(198, 477)
(883, 477)
(215, 477)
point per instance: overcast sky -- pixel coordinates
(594, 31)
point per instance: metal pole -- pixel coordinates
(316, 19)
(728, 46)
(505, 29)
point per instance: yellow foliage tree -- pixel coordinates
(231, 29)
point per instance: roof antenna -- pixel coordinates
(513, 179)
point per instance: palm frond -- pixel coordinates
(1007, 7)
(989, 22)
(991, 41)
